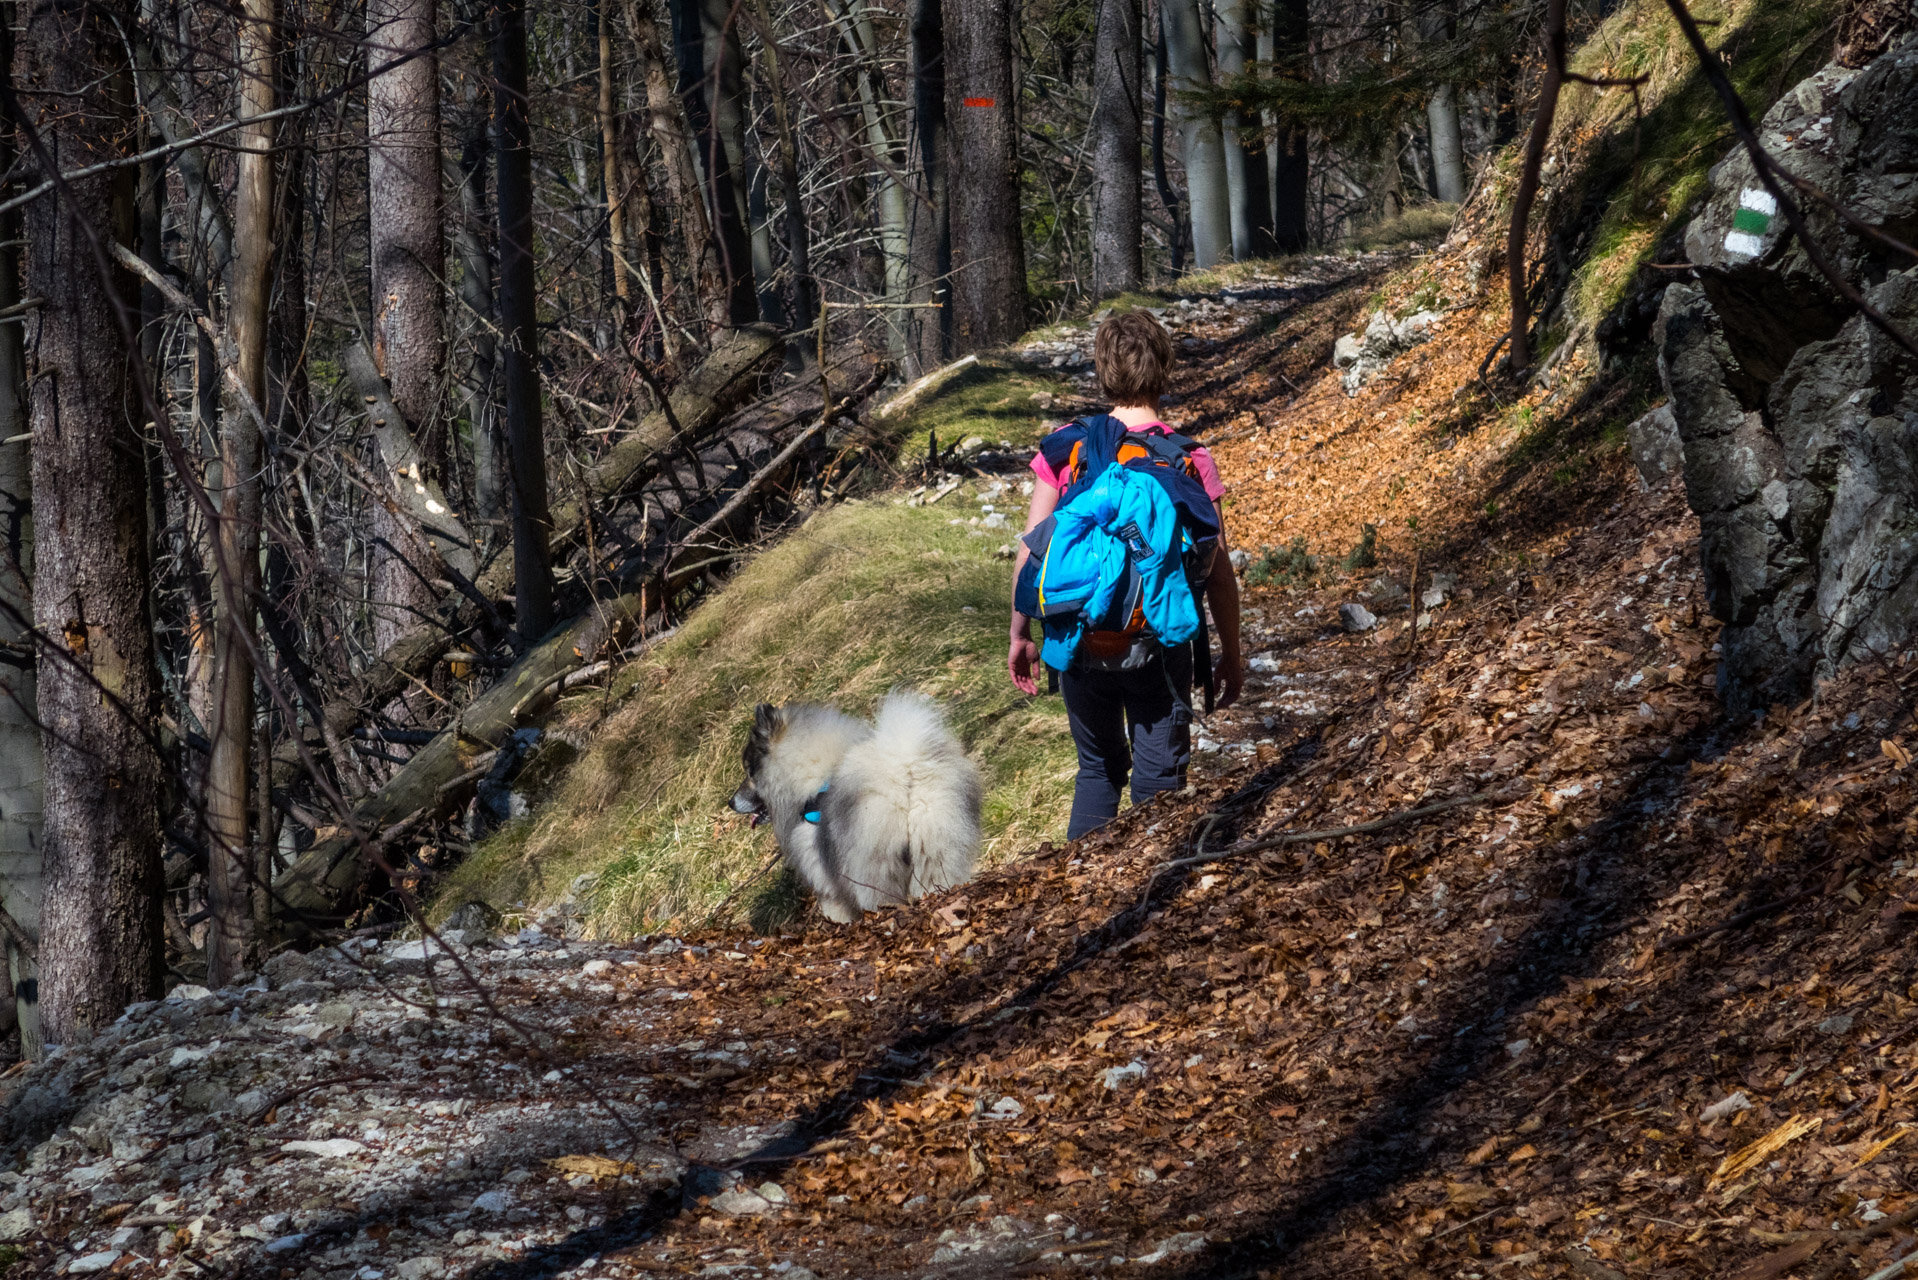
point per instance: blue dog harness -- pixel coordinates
(812, 815)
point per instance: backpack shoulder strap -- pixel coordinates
(1086, 445)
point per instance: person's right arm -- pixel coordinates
(1022, 658)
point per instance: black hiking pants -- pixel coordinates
(1128, 723)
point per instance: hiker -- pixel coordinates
(1120, 557)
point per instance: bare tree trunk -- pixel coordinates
(1291, 229)
(408, 265)
(1116, 263)
(236, 576)
(1448, 148)
(1237, 33)
(22, 780)
(613, 176)
(1517, 283)
(476, 296)
(1161, 174)
(1441, 115)
(798, 245)
(667, 120)
(706, 46)
(1201, 142)
(932, 217)
(854, 21)
(988, 245)
(519, 325)
(100, 940)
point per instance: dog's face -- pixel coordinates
(768, 720)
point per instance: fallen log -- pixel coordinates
(698, 404)
(318, 888)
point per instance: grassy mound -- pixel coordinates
(862, 598)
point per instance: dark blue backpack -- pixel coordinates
(1083, 450)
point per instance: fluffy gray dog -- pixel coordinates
(867, 814)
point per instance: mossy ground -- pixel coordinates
(1656, 165)
(863, 598)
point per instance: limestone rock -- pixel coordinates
(1356, 617)
(1798, 420)
(1363, 356)
(1657, 451)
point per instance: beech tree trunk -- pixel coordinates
(1116, 111)
(1237, 34)
(236, 577)
(798, 246)
(1448, 146)
(1202, 144)
(408, 266)
(519, 326)
(476, 298)
(932, 217)
(612, 172)
(854, 20)
(666, 118)
(1161, 172)
(22, 780)
(1291, 230)
(1442, 117)
(988, 243)
(706, 44)
(100, 935)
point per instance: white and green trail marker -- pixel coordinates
(1756, 209)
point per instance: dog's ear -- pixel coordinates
(766, 719)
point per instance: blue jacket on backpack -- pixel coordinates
(1123, 516)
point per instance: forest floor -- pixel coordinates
(1635, 1005)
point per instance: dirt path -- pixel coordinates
(1641, 1008)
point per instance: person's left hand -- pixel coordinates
(1231, 681)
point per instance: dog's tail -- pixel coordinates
(919, 802)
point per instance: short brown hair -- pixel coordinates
(1133, 354)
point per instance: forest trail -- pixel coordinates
(1630, 1012)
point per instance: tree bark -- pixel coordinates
(612, 175)
(1246, 179)
(1161, 173)
(476, 296)
(1442, 116)
(1448, 147)
(518, 322)
(1517, 285)
(1116, 262)
(666, 118)
(1291, 53)
(236, 577)
(408, 265)
(932, 218)
(854, 20)
(988, 243)
(22, 780)
(709, 60)
(100, 940)
(1201, 143)
(798, 242)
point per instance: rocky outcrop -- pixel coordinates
(1798, 418)
(1362, 356)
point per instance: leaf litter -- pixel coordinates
(1496, 1041)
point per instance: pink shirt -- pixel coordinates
(1208, 470)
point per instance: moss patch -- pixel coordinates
(1657, 170)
